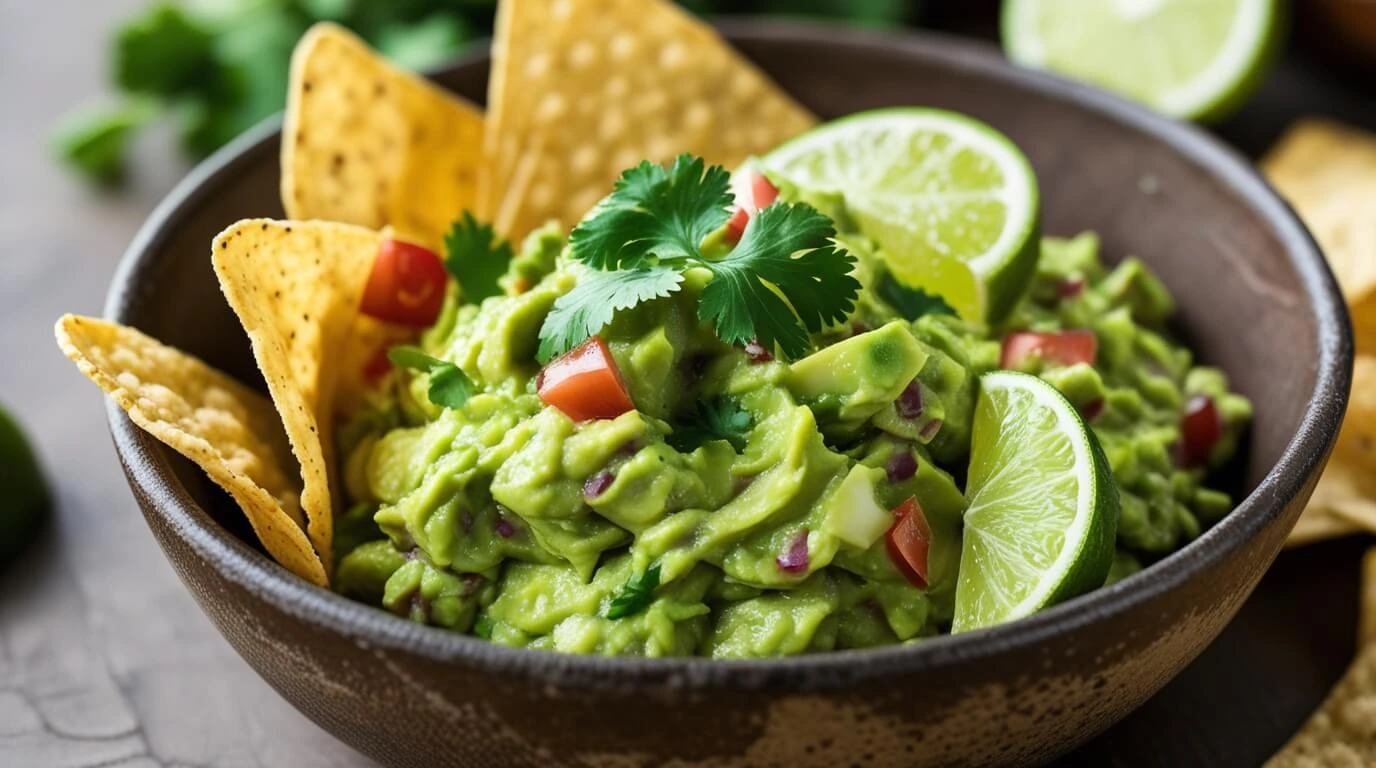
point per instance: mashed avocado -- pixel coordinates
(738, 510)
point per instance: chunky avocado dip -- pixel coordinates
(660, 489)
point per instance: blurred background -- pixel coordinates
(106, 104)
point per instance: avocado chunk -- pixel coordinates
(850, 381)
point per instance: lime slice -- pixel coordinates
(951, 201)
(23, 493)
(1187, 58)
(1043, 509)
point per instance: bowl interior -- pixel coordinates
(1165, 193)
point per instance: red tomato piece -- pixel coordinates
(762, 190)
(406, 285)
(735, 226)
(1200, 428)
(1063, 348)
(909, 540)
(377, 366)
(584, 383)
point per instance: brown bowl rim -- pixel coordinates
(149, 468)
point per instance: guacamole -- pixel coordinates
(730, 512)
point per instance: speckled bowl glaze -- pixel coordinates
(1255, 298)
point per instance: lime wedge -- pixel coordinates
(951, 201)
(1043, 509)
(1192, 59)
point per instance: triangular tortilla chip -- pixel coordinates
(580, 91)
(1344, 502)
(1328, 172)
(227, 429)
(366, 143)
(296, 287)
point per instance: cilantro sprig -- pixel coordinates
(636, 595)
(784, 279)
(909, 302)
(477, 257)
(718, 418)
(450, 387)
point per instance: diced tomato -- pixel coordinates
(585, 383)
(763, 193)
(735, 226)
(909, 540)
(406, 285)
(1200, 428)
(762, 190)
(378, 365)
(1064, 348)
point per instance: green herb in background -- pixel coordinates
(217, 67)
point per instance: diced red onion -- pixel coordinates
(598, 484)
(1092, 409)
(1071, 288)
(794, 559)
(858, 327)
(929, 430)
(901, 466)
(757, 352)
(504, 528)
(909, 404)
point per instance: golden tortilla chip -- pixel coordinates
(1357, 439)
(367, 143)
(296, 287)
(227, 429)
(1319, 524)
(1328, 172)
(1366, 624)
(1343, 732)
(580, 91)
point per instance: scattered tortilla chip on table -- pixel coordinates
(1319, 524)
(367, 143)
(227, 429)
(1343, 732)
(1328, 172)
(580, 91)
(296, 287)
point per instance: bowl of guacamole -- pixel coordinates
(781, 462)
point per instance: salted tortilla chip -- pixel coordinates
(296, 287)
(581, 91)
(1366, 625)
(1343, 732)
(227, 429)
(366, 143)
(1319, 524)
(1357, 438)
(1328, 172)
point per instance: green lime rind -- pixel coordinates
(953, 204)
(1043, 507)
(1186, 59)
(24, 495)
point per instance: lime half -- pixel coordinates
(1043, 509)
(1194, 59)
(952, 202)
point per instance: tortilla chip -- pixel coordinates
(1343, 731)
(1357, 439)
(1328, 172)
(367, 143)
(1366, 624)
(227, 429)
(581, 91)
(1318, 524)
(296, 287)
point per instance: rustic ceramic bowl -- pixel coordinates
(1255, 298)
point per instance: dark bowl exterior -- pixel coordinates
(1255, 298)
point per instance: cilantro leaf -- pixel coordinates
(785, 252)
(911, 303)
(476, 257)
(636, 595)
(97, 143)
(655, 215)
(715, 419)
(594, 301)
(450, 387)
(164, 52)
